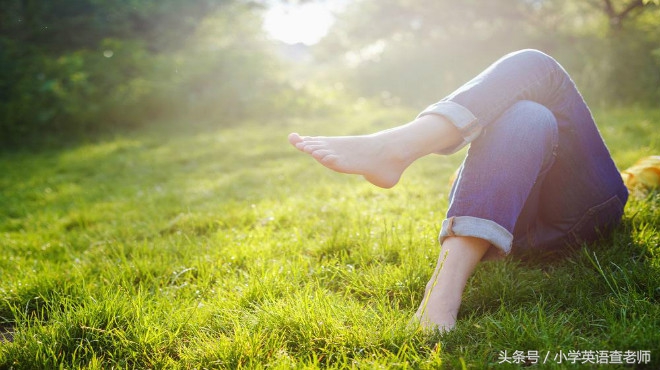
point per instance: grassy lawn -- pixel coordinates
(226, 248)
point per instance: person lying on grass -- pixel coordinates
(537, 176)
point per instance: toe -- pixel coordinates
(320, 154)
(309, 149)
(315, 148)
(294, 138)
(329, 160)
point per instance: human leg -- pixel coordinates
(577, 179)
(582, 190)
(442, 297)
(524, 75)
(500, 178)
(502, 175)
(531, 195)
(383, 156)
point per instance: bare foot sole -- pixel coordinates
(372, 156)
(383, 156)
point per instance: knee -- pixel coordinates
(531, 111)
(531, 55)
(529, 119)
(531, 59)
(527, 131)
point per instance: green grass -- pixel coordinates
(226, 248)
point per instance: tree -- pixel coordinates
(72, 67)
(418, 49)
(617, 17)
(60, 25)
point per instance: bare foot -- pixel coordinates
(375, 156)
(442, 298)
(441, 301)
(383, 156)
(437, 312)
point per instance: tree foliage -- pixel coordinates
(72, 67)
(74, 24)
(617, 15)
(418, 50)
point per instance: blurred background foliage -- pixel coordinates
(73, 68)
(417, 50)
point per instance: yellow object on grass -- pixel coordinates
(643, 175)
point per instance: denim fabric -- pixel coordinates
(537, 175)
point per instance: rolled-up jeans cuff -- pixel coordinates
(460, 117)
(481, 228)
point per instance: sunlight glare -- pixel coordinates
(305, 23)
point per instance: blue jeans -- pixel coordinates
(537, 176)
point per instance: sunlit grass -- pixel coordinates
(224, 247)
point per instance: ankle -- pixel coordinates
(437, 133)
(401, 146)
(399, 150)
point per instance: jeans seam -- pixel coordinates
(593, 211)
